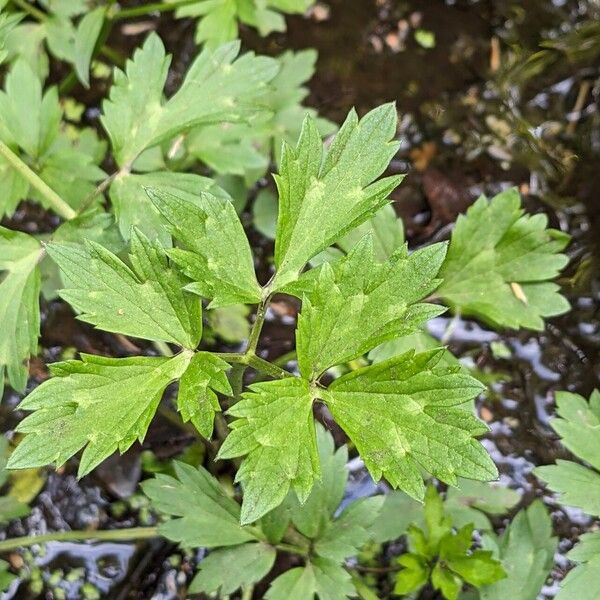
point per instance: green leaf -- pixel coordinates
(214, 251)
(10, 506)
(196, 400)
(100, 404)
(28, 118)
(217, 88)
(575, 484)
(276, 430)
(397, 513)
(224, 571)
(584, 580)
(472, 500)
(7, 23)
(133, 207)
(357, 303)
(408, 413)
(202, 515)
(581, 583)
(526, 550)
(86, 38)
(19, 305)
(478, 568)
(350, 531)
(145, 301)
(321, 577)
(499, 264)
(413, 576)
(447, 582)
(578, 424)
(313, 516)
(323, 196)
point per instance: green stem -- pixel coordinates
(53, 199)
(116, 57)
(292, 549)
(31, 10)
(247, 592)
(260, 364)
(259, 320)
(113, 535)
(138, 11)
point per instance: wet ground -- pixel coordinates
(472, 120)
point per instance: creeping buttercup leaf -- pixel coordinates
(217, 88)
(357, 303)
(196, 400)
(10, 506)
(408, 413)
(145, 301)
(218, 21)
(500, 263)
(578, 424)
(213, 248)
(583, 581)
(322, 196)
(86, 36)
(19, 305)
(201, 514)
(275, 428)
(133, 207)
(344, 536)
(526, 550)
(97, 404)
(323, 578)
(226, 570)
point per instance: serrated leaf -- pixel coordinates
(97, 403)
(575, 484)
(499, 264)
(322, 197)
(471, 501)
(19, 305)
(322, 578)
(28, 118)
(276, 430)
(526, 550)
(217, 88)
(224, 571)
(133, 207)
(145, 301)
(356, 304)
(578, 424)
(213, 248)
(413, 576)
(202, 515)
(218, 20)
(583, 581)
(313, 516)
(86, 36)
(350, 531)
(196, 400)
(407, 413)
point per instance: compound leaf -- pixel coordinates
(145, 301)
(499, 264)
(214, 251)
(217, 88)
(225, 570)
(408, 413)
(97, 403)
(356, 304)
(275, 428)
(350, 531)
(201, 514)
(526, 550)
(578, 424)
(19, 305)
(322, 197)
(196, 400)
(583, 582)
